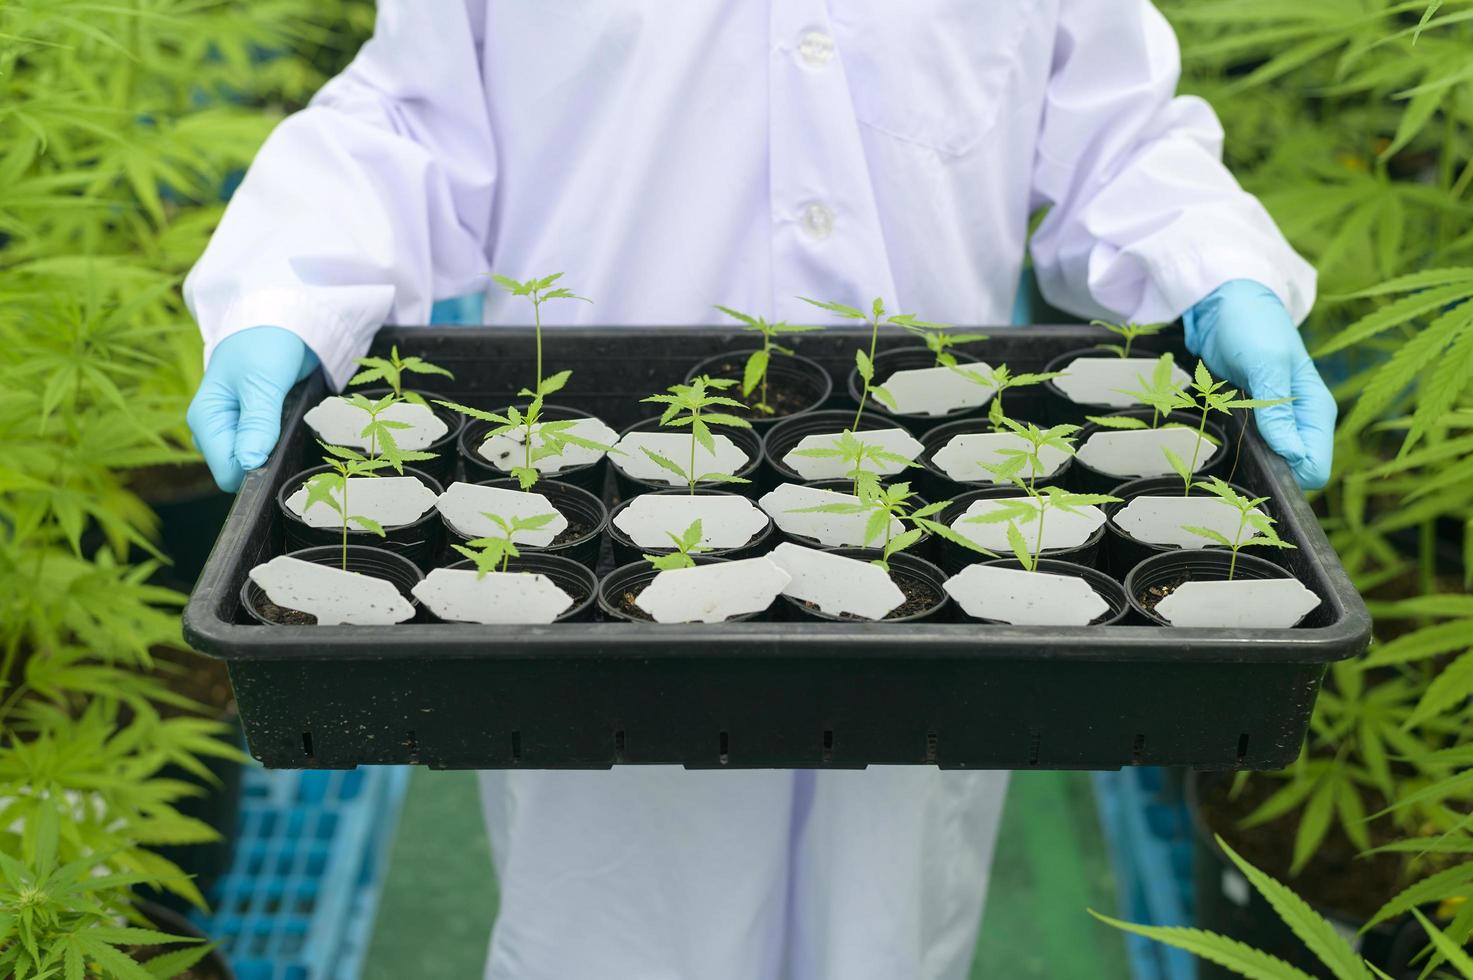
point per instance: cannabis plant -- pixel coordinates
(1160, 393)
(864, 362)
(1127, 332)
(391, 371)
(1260, 526)
(887, 506)
(331, 489)
(940, 339)
(1000, 379)
(379, 431)
(754, 373)
(691, 406)
(683, 546)
(494, 553)
(862, 460)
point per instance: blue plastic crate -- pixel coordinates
(1149, 834)
(300, 898)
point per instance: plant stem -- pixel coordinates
(1186, 490)
(766, 363)
(345, 523)
(1237, 452)
(874, 339)
(691, 473)
(1038, 544)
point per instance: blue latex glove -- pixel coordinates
(236, 414)
(1244, 334)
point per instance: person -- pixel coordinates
(668, 157)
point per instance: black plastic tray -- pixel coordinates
(758, 694)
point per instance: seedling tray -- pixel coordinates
(756, 694)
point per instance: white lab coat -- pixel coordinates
(668, 156)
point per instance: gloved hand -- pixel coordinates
(236, 414)
(1244, 334)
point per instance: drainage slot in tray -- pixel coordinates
(1242, 748)
(307, 744)
(516, 748)
(725, 747)
(1138, 750)
(828, 746)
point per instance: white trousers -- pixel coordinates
(659, 873)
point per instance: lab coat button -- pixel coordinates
(818, 221)
(816, 48)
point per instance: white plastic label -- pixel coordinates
(1163, 520)
(676, 447)
(965, 457)
(937, 390)
(714, 592)
(465, 506)
(1061, 529)
(1139, 452)
(496, 598)
(392, 501)
(727, 521)
(834, 530)
(339, 423)
(837, 584)
(331, 594)
(896, 441)
(1269, 603)
(1104, 380)
(1012, 595)
(507, 450)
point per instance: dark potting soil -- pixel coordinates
(577, 528)
(1150, 597)
(283, 616)
(1337, 877)
(920, 595)
(626, 603)
(782, 398)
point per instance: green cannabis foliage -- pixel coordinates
(391, 371)
(683, 546)
(120, 124)
(1160, 393)
(754, 372)
(1260, 526)
(939, 339)
(691, 406)
(331, 489)
(862, 460)
(1128, 333)
(494, 553)
(540, 439)
(1000, 379)
(889, 506)
(864, 362)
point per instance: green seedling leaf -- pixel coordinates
(1118, 422)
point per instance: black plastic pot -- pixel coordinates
(573, 577)
(626, 551)
(887, 362)
(419, 540)
(1195, 566)
(376, 562)
(589, 476)
(925, 546)
(1123, 551)
(1059, 407)
(780, 439)
(1225, 903)
(955, 557)
(1087, 479)
(904, 565)
(934, 482)
(214, 965)
(791, 372)
(1105, 586)
(746, 439)
(574, 503)
(634, 577)
(442, 467)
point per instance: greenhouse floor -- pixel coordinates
(434, 916)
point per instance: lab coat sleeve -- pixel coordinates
(367, 205)
(1144, 219)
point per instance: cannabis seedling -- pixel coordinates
(865, 363)
(689, 405)
(1000, 379)
(888, 505)
(1211, 396)
(380, 432)
(1159, 392)
(554, 436)
(939, 339)
(1026, 465)
(1259, 524)
(685, 544)
(754, 374)
(331, 488)
(857, 456)
(494, 554)
(391, 370)
(1127, 332)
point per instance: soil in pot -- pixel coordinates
(1124, 550)
(372, 562)
(626, 550)
(888, 362)
(212, 966)
(1107, 462)
(442, 467)
(588, 475)
(417, 539)
(581, 540)
(1157, 578)
(619, 591)
(731, 443)
(1103, 586)
(1061, 407)
(920, 582)
(787, 435)
(795, 384)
